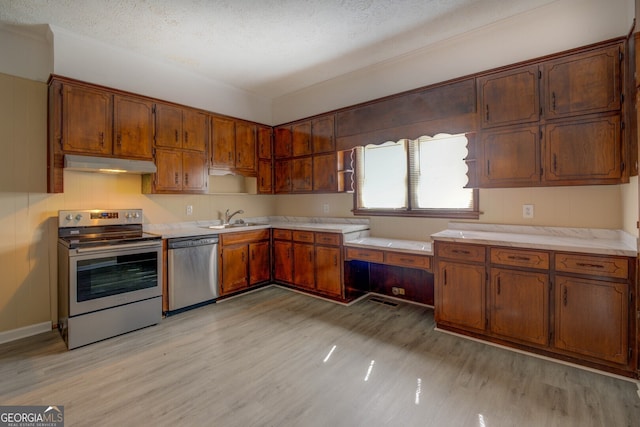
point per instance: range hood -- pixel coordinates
(74, 162)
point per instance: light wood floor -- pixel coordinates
(262, 360)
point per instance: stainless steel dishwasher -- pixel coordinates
(192, 271)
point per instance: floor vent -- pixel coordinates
(383, 301)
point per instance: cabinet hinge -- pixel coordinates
(630, 352)
(621, 166)
(486, 323)
(621, 125)
(621, 56)
(539, 74)
(486, 276)
(153, 109)
(622, 98)
(550, 336)
(153, 151)
(541, 171)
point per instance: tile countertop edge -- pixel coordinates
(591, 241)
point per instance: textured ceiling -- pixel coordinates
(267, 47)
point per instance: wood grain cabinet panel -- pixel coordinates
(510, 157)
(461, 295)
(259, 263)
(304, 265)
(325, 173)
(168, 126)
(301, 175)
(461, 251)
(195, 127)
(133, 127)
(244, 260)
(332, 239)
(585, 150)
(509, 97)
(282, 176)
(169, 174)
(234, 268)
(407, 260)
(245, 148)
(223, 140)
(264, 142)
(583, 83)
(303, 236)
(519, 305)
(301, 139)
(364, 255)
(194, 170)
(86, 120)
(328, 272)
(283, 261)
(283, 141)
(520, 258)
(593, 265)
(265, 177)
(323, 134)
(592, 318)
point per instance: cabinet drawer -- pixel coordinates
(281, 234)
(244, 237)
(303, 236)
(593, 265)
(460, 252)
(407, 260)
(328, 239)
(520, 258)
(365, 255)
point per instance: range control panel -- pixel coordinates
(90, 217)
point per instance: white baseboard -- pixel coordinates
(25, 331)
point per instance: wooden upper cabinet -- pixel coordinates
(325, 173)
(195, 127)
(509, 157)
(264, 142)
(178, 127)
(133, 127)
(582, 83)
(282, 176)
(86, 120)
(301, 139)
(194, 169)
(265, 177)
(587, 150)
(283, 140)
(509, 97)
(169, 174)
(223, 140)
(245, 146)
(301, 174)
(323, 134)
(168, 126)
(180, 171)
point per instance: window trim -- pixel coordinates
(409, 212)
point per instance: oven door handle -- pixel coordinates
(118, 247)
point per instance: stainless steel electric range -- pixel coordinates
(109, 275)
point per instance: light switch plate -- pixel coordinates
(527, 211)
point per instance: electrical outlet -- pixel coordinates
(325, 207)
(189, 209)
(527, 211)
(397, 291)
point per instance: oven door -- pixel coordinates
(111, 276)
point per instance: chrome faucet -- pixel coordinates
(228, 217)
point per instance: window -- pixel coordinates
(422, 177)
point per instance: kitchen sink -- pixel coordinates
(234, 225)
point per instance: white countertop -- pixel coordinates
(397, 245)
(584, 240)
(202, 228)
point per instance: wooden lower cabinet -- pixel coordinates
(519, 305)
(310, 261)
(328, 273)
(574, 306)
(460, 295)
(592, 318)
(283, 261)
(244, 260)
(304, 265)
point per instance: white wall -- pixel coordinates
(26, 51)
(558, 26)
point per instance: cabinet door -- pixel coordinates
(259, 263)
(283, 261)
(169, 174)
(265, 177)
(264, 142)
(584, 150)
(87, 120)
(282, 142)
(519, 305)
(325, 173)
(583, 83)
(245, 146)
(301, 170)
(510, 157)
(592, 318)
(133, 126)
(168, 126)
(323, 134)
(282, 176)
(223, 142)
(235, 268)
(460, 294)
(328, 277)
(510, 97)
(301, 142)
(194, 168)
(303, 265)
(196, 129)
